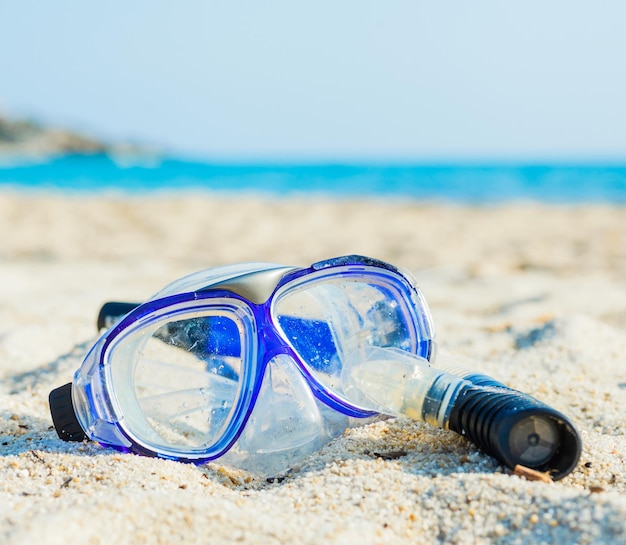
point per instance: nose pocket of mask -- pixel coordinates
(285, 411)
(285, 423)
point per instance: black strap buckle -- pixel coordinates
(63, 415)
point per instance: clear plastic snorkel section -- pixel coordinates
(511, 426)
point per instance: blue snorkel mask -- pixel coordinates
(260, 365)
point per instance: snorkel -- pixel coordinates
(513, 427)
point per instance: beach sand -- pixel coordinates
(533, 294)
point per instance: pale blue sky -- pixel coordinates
(326, 80)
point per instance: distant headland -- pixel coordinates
(30, 140)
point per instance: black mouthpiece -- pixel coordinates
(517, 429)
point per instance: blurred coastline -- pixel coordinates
(34, 157)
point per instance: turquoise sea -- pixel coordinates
(465, 183)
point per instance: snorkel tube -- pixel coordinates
(513, 427)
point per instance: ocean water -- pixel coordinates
(465, 183)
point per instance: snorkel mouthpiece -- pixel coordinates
(511, 426)
(516, 429)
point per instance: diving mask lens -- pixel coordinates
(177, 380)
(329, 319)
